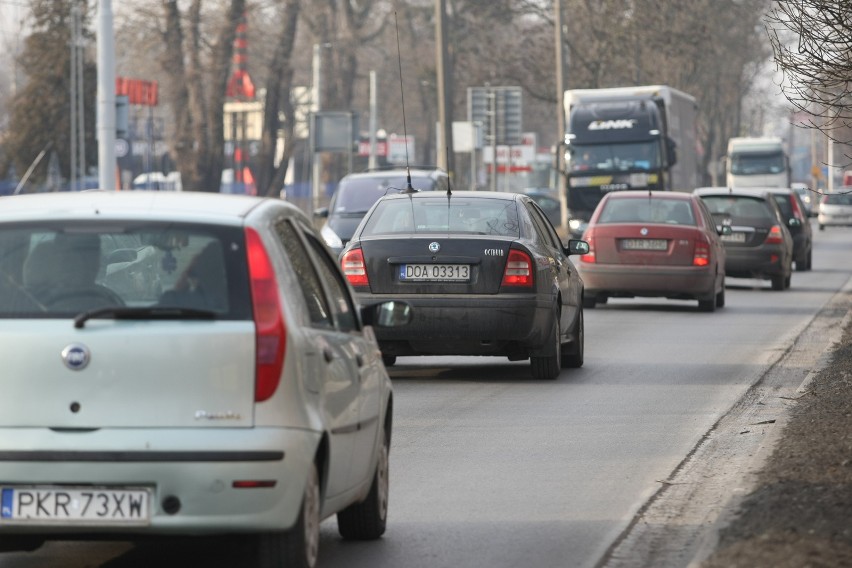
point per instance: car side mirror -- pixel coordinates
(576, 246)
(387, 314)
(321, 212)
(724, 230)
(794, 222)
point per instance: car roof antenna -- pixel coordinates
(409, 188)
(449, 185)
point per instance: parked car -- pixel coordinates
(181, 364)
(548, 200)
(808, 197)
(357, 192)
(759, 245)
(648, 244)
(835, 209)
(484, 271)
(793, 211)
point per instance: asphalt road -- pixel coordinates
(490, 468)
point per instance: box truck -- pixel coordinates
(757, 162)
(622, 138)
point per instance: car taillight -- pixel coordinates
(589, 256)
(774, 237)
(701, 256)
(797, 213)
(271, 337)
(354, 268)
(519, 269)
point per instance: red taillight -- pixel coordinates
(774, 237)
(519, 269)
(271, 339)
(354, 268)
(701, 256)
(797, 213)
(589, 256)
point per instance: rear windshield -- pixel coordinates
(647, 210)
(480, 216)
(61, 270)
(357, 195)
(740, 209)
(838, 199)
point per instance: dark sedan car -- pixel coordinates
(661, 243)
(485, 272)
(796, 217)
(760, 245)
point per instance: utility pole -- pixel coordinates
(445, 134)
(371, 163)
(560, 118)
(106, 97)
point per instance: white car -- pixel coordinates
(185, 364)
(835, 209)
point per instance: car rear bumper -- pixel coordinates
(632, 280)
(198, 467)
(465, 324)
(755, 262)
(835, 220)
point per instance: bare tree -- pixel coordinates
(812, 45)
(277, 102)
(198, 74)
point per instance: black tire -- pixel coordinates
(297, 547)
(708, 305)
(720, 298)
(546, 368)
(822, 227)
(589, 302)
(805, 263)
(787, 281)
(572, 358)
(778, 282)
(368, 519)
(389, 360)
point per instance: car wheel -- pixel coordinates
(822, 227)
(589, 302)
(573, 358)
(708, 305)
(547, 367)
(787, 281)
(299, 546)
(389, 360)
(778, 282)
(805, 264)
(720, 297)
(367, 520)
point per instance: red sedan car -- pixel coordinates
(662, 244)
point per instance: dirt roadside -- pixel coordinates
(799, 511)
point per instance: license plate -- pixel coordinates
(734, 238)
(74, 505)
(434, 272)
(644, 244)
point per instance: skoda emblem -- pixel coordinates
(434, 247)
(643, 231)
(76, 356)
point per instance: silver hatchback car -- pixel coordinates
(185, 364)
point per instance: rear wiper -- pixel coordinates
(149, 313)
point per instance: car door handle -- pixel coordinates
(328, 354)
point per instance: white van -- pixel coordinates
(757, 162)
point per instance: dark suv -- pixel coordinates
(357, 192)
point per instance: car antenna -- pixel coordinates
(449, 188)
(409, 188)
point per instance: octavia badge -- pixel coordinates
(434, 247)
(76, 356)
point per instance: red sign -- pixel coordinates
(137, 91)
(364, 148)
